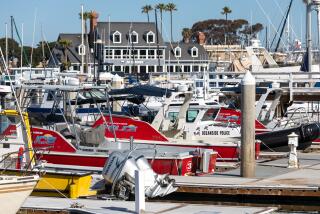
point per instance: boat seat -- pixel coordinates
(67, 134)
(93, 136)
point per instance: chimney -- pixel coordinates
(201, 38)
(93, 20)
(93, 25)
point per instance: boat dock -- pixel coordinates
(273, 179)
(90, 206)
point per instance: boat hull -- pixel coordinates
(278, 140)
(14, 194)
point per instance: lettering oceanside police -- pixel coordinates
(215, 132)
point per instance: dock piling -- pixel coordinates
(248, 97)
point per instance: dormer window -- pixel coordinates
(116, 37)
(150, 37)
(177, 52)
(134, 37)
(194, 52)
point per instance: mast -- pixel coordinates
(21, 56)
(82, 44)
(267, 42)
(12, 49)
(308, 34)
(288, 34)
(7, 57)
(283, 26)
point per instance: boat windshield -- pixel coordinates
(94, 94)
(8, 127)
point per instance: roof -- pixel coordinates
(142, 28)
(72, 52)
(185, 52)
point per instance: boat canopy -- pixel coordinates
(145, 90)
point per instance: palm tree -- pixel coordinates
(171, 7)
(146, 9)
(161, 7)
(186, 34)
(65, 44)
(225, 11)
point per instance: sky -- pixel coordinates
(61, 16)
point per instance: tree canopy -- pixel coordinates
(238, 30)
(14, 51)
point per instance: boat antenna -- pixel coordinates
(24, 122)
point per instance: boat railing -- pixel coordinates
(293, 118)
(15, 160)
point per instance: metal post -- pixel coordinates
(131, 143)
(308, 34)
(140, 202)
(248, 96)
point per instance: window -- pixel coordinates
(194, 52)
(151, 54)
(76, 67)
(210, 114)
(187, 68)
(170, 68)
(173, 116)
(117, 37)
(117, 54)
(199, 84)
(159, 68)
(177, 52)
(134, 54)
(134, 37)
(150, 37)
(160, 54)
(125, 54)
(178, 68)
(143, 54)
(108, 54)
(195, 68)
(117, 68)
(151, 68)
(191, 115)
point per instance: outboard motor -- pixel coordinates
(119, 171)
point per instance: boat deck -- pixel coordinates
(273, 178)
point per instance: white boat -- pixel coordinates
(14, 190)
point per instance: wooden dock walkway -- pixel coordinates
(273, 178)
(94, 206)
